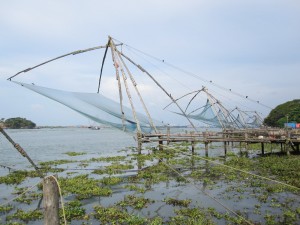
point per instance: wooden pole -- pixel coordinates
(51, 201)
(262, 148)
(137, 91)
(193, 142)
(193, 147)
(161, 87)
(20, 150)
(206, 149)
(168, 134)
(139, 139)
(225, 148)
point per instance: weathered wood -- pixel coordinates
(193, 147)
(262, 148)
(247, 137)
(139, 140)
(51, 201)
(206, 149)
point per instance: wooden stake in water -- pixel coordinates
(51, 201)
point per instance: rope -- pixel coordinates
(27, 190)
(220, 203)
(195, 75)
(252, 174)
(61, 197)
(24, 192)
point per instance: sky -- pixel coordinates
(250, 47)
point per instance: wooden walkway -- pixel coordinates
(286, 138)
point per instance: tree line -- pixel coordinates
(17, 123)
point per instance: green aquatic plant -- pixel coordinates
(29, 197)
(115, 168)
(83, 187)
(111, 180)
(107, 159)
(136, 188)
(192, 216)
(73, 211)
(177, 202)
(75, 153)
(18, 176)
(135, 202)
(56, 162)
(115, 215)
(6, 208)
(26, 216)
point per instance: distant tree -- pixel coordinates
(18, 122)
(289, 111)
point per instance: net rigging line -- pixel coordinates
(195, 76)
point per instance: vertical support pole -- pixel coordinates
(160, 144)
(281, 147)
(246, 142)
(287, 142)
(262, 148)
(193, 142)
(225, 143)
(168, 135)
(206, 149)
(139, 139)
(193, 147)
(51, 201)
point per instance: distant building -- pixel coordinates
(292, 125)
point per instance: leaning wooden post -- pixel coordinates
(51, 201)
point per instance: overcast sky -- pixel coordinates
(251, 47)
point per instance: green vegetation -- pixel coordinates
(83, 187)
(289, 111)
(73, 211)
(18, 123)
(74, 153)
(26, 216)
(168, 179)
(135, 202)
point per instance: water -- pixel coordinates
(52, 144)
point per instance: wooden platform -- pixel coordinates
(287, 139)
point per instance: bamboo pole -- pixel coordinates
(119, 83)
(161, 87)
(113, 47)
(137, 91)
(20, 150)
